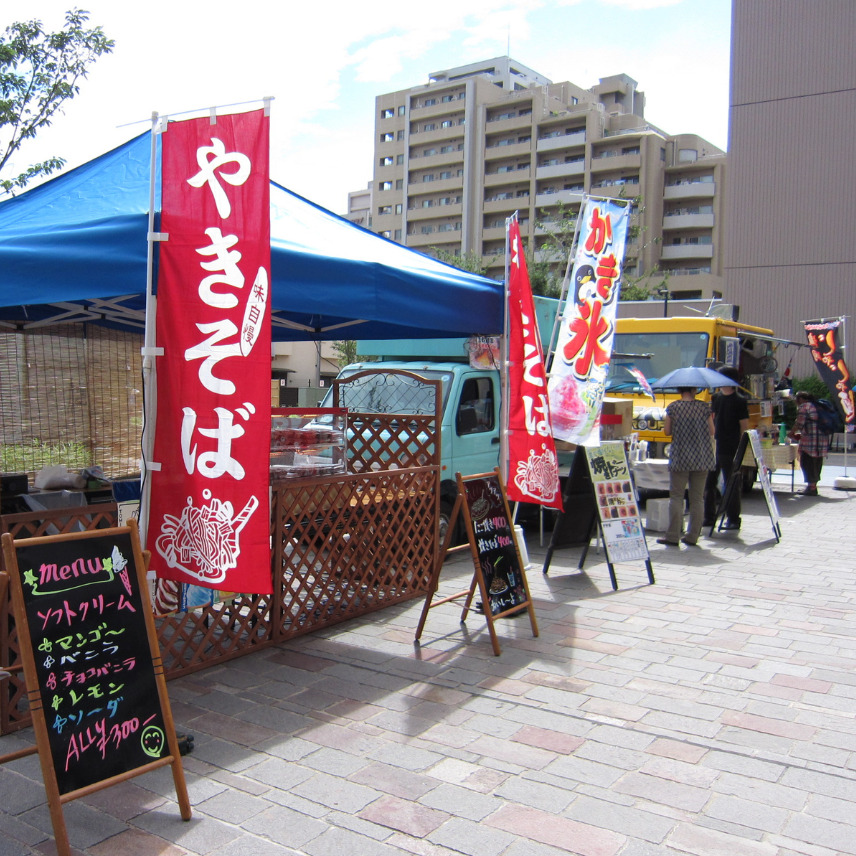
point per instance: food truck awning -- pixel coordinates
(75, 247)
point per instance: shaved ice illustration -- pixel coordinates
(568, 411)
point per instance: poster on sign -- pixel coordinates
(584, 346)
(617, 505)
(209, 517)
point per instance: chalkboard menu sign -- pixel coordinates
(494, 543)
(94, 677)
(93, 664)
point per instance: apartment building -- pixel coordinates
(791, 241)
(457, 156)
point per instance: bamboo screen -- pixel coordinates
(72, 395)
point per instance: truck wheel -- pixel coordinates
(749, 476)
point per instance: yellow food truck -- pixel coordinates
(652, 347)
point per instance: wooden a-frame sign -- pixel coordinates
(498, 574)
(92, 666)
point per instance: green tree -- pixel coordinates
(559, 228)
(469, 261)
(39, 72)
(347, 352)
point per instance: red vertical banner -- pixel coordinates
(209, 516)
(533, 469)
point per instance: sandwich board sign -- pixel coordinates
(499, 575)
(92, 666)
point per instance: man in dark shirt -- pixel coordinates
(730, 420)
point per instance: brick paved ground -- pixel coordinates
(709, 714)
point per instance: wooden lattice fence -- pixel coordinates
(342, 547)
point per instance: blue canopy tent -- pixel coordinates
(74, 249)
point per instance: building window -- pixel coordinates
(444, 150)
(389, 113)
(687, 155)
(386, 185)
(387, 138)
(399, 159)
(384, 209)
(428, 152)
(398, 235)
(447, 123)
(386, 161)
(399, 184)
(445, 174)
(427, 178)
(398, 208)
(402, 110)
(447, 98)
(399, 135)
(429, 126)
(429, 102)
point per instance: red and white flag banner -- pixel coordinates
(533, 469)
(584, 345)
(209, 517)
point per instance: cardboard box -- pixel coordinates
(616, 419)
(657, 515)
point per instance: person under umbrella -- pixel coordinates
(689, 422)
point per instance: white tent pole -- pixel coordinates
(503, 364)
(149, 347)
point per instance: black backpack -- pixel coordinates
(827, 417)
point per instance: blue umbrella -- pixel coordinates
(696, 377)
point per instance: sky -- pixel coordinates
(324, 63)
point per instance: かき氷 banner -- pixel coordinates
(584, 345)
(209, 516)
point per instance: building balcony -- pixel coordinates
(687, 221)
(616, 162)
(561, 170)
(515, 177)
(441, 159)
(433, 239)
(515, 123)
(506, 206)
(565, 197)
(443, 185)
(695, 190)
(441, 108)
(617, 189)
(513, 150)
(493, 233)
(433, 212)
(421, 138)
(563, 141)
(678, 252)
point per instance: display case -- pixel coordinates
(307, 442)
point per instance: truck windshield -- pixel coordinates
(653, 354)
(385, 392)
